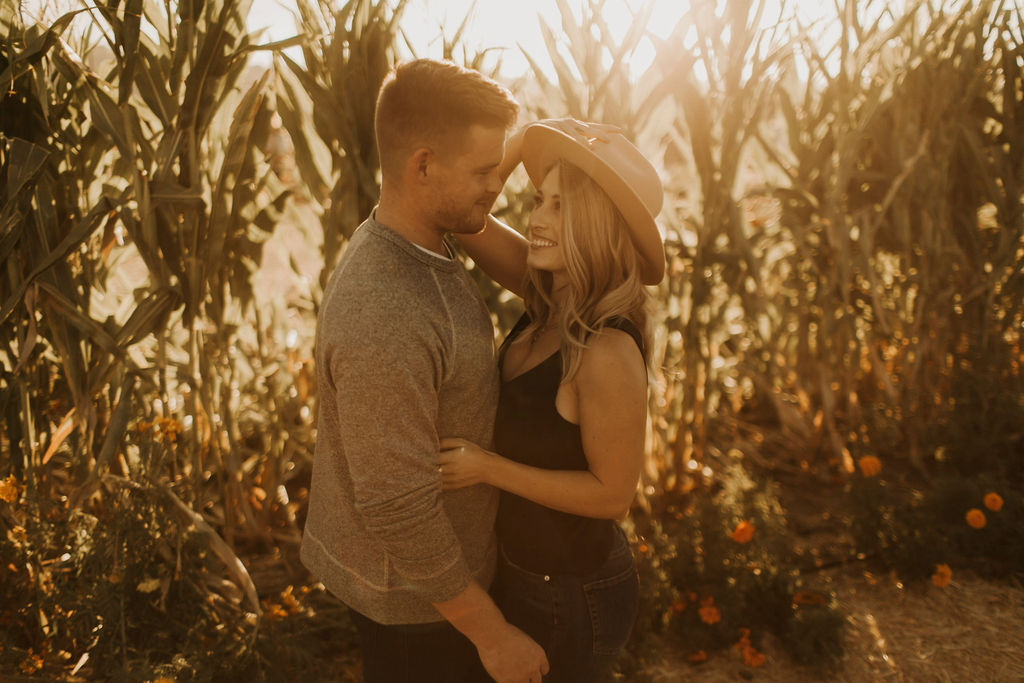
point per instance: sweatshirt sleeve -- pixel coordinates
(386, 368)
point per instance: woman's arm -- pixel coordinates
(501, 252)
(498, 248)
(612, 388)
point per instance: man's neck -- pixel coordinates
(410, 223)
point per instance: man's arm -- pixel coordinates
(507, 653)
(384, 371)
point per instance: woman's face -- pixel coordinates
(546, 251)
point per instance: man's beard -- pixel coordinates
(464, 222)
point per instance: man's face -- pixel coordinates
(465, 180)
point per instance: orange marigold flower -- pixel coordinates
(743, 532)
(942, 576)
(678, 606)
(9, 489)
(808, 598)
(994, 502)
(976, 518)
(698, 657)
(869, 465)
(752, 657)
(710, 614)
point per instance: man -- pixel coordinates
(405, 356)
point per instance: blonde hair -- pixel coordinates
(602, 265)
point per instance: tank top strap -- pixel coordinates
(629, 328)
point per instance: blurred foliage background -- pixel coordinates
(842, 316)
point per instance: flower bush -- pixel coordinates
(710, 582)
(925, 534)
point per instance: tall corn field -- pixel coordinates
(843, 225)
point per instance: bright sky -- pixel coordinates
(506, 24)
(502, 24)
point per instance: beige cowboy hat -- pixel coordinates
(629, 180)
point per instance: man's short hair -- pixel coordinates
(429, 103)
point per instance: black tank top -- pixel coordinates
(528, 429)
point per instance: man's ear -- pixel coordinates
(420, 162)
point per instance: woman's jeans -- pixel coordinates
(582, 622)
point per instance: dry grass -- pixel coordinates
(970, 631)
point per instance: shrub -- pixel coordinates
(718, 570)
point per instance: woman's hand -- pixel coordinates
(463, 463)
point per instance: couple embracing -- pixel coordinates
(464, 498)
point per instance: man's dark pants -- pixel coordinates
(416, 653)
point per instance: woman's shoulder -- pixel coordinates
(627, 326)
(611, 367)
(612, 341)
(613, 350)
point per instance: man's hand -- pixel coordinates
(508, 654)
(514, 657)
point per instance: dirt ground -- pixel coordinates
(972, 630)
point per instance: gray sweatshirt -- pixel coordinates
(405, 355)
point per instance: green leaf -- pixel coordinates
(129, 48)
(238, 146)
(149, 317)
(78, 234)
(108, 117)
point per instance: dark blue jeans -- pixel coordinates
(416, 653)
(582, 622)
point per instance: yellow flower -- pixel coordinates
(942, 576)
(976, 518)
(743, 532)
(169, 429)
(869, 465)
(994, 502)
(9, 489)
(32, 663)
(289, 602)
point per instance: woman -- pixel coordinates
(569, 433)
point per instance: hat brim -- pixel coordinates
(543, 145)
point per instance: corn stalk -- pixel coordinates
(346, 55)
